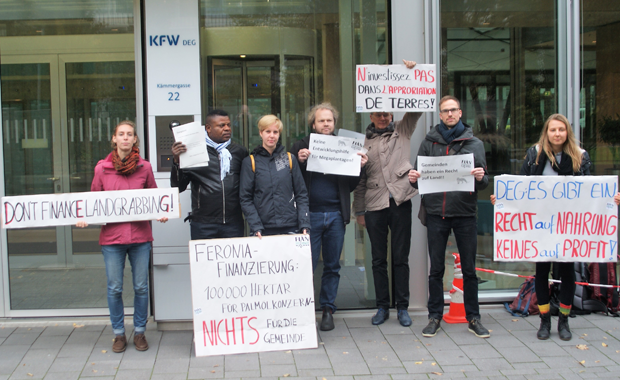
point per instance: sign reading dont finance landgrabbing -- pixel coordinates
(252, 295)
(555, 218)
(395, 88)
(91, 207)
(334, 155)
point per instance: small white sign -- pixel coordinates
(446, 173)
(395, 88)
(95, 207)
(192, 135)
(555, 218)
(334, 155)
(252, 295)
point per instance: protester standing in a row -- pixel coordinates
(273, 195)
(330, 210)
(124, 169)
(452, 211)
(382, 200)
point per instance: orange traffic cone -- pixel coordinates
(456, 314)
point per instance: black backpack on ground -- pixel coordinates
(583, 302)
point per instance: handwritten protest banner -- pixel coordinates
(252, 295)
(395, 88)
(555, 218)
(334, 155)
(92, 207)
(445, 173)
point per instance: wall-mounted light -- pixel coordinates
(242, 56)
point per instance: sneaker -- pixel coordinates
(476, 327)
(119, 343)
(431, 329)
(404, 318)
(381, 316)
(139, 341)
(327, 320)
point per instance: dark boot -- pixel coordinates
(563, 328)
(327, 321)
(544, 332)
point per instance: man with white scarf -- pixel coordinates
(216, 211)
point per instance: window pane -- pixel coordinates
(499, 59)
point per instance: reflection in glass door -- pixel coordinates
(57, 113)
(251, 87)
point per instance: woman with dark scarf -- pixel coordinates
(124, 169)
(556, 153)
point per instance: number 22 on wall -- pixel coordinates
(174, 96)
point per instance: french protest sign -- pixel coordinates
(395, 88)
(555, 218)
(334, 155)
(94, 207)
(445, 173)
(252, 295)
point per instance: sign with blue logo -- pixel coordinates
(173, 57)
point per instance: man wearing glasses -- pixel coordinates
(456, 211)
(383, 199)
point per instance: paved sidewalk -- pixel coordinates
(355, 350)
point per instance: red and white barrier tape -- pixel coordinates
(550, 280)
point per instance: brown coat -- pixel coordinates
(387, 169)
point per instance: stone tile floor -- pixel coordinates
(354, 350)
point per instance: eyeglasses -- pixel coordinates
(380, 115)
(453, 110)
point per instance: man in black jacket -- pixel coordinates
(453, 210)
(216, 212)
(330, 210)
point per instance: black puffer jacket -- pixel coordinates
(531, 168)
(213, 200)
(274, 195)
(454, 203)
(346, 184)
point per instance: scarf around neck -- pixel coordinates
(564, 168)
(127, 165)
(224, 154)
(449, 134)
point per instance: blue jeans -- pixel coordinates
(327, 231)
(201, 231)
(114, 258)
(466, 235)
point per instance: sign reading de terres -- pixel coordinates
(252, 295)
(395, 88)
(173, 57)
(555, 218)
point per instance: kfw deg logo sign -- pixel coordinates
(170, 40)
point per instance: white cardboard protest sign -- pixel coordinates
(95, 207)
(192, 135)
(395, 88)
(446, 173)
(334, 155)
(555, 218)
(252, 295)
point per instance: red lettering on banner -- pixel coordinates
(233, 328)
(521, 221)
(584, 248)
(578, 223)
(361, 74)
(516, 249)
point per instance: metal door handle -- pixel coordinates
(53, 179)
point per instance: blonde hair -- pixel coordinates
(267, 121)
(135, 133)
(570, 147)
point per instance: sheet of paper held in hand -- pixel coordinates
(334, 155)
(193, 136)
(446, 173)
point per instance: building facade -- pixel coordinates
(71, 70)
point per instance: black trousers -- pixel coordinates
(398, 219)
(567, 276)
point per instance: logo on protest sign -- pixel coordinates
(555, 218)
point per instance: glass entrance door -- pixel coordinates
(251, 87)
(58, 112)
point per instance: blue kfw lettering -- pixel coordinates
(164, 39)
